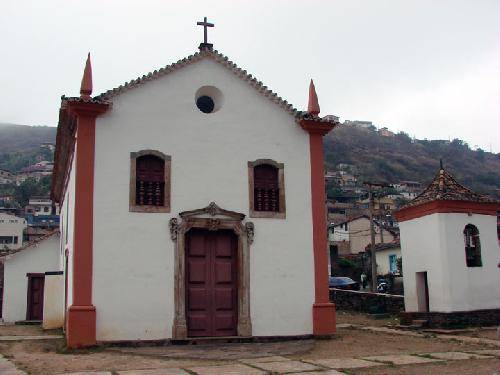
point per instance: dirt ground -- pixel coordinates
(356, 343)
(344, 317)
(468, 367)
(49, 357)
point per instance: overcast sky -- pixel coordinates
(428, 67)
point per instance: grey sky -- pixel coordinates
(429, 68)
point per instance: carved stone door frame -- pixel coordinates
(214, 218)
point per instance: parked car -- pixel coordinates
(345, 283)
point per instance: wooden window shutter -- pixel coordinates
(150, 181)
(266, 188)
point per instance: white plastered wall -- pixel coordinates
(38, 258)
(133, 281)
(434, 243)
(53, 301)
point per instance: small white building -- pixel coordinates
(11, 231)
(31, 277)
(236, 173)
(450, 250)
(387, 257)
(6, 177)
(41, 206)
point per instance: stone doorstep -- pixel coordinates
(88, 373)
(286, 366)
(159, 371)
(457, 356)
(274, 358)
(343, 363)
(400, 359)
(26, 338)
(494, 352)
(236, 369)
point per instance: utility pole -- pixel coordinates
(372, 233)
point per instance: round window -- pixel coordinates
(209, 99)
(205, 104)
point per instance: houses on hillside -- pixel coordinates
(11, 231)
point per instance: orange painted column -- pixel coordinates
(81, 315)
(81, 326)
(324, 316)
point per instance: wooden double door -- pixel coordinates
(211, 283)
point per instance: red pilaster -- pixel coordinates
(323, 309)
(324, 316)
(81, 329)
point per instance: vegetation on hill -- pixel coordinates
(377, 158)
(20, 145)
(399, 158)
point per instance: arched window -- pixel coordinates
(267, 189)
(149, 181)
(472, 246)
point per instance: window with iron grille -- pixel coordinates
(472, 246)
(267, 189)
(149, 181)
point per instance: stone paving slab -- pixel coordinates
(400, 359)
(494, 352)
(286, 366)
(327, 372)
(8, 368)
(237, 369)
(343, 363)
(89, 373)
(457, 356)
(159, 371)
(274, 358)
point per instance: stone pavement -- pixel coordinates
(23, 338)
(283, 365)
(8, 368)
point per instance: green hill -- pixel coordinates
(393, 159)
(378, 158)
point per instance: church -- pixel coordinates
(192, 205)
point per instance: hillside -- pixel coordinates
(20, 145)
(393, 159)
(378, 158)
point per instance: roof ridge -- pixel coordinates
(204, 53)
(223, 60)
(4, 253)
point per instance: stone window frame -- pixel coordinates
(281, 214)
(167, 159)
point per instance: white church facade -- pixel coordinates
(450, 252)
(192, 205)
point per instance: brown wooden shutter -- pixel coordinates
(266, 188)
(150, 181)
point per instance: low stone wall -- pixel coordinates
(374, 303)
(454, 319)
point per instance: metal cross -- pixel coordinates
(205, 24)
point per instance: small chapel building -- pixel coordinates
(192, 205)
(450, 252)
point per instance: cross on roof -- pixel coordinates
(205, 24)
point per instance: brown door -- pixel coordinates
(211, 283)
(35, 296)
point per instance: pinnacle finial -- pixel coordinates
(313, 105)
(86, 86)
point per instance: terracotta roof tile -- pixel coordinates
(445, 188)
